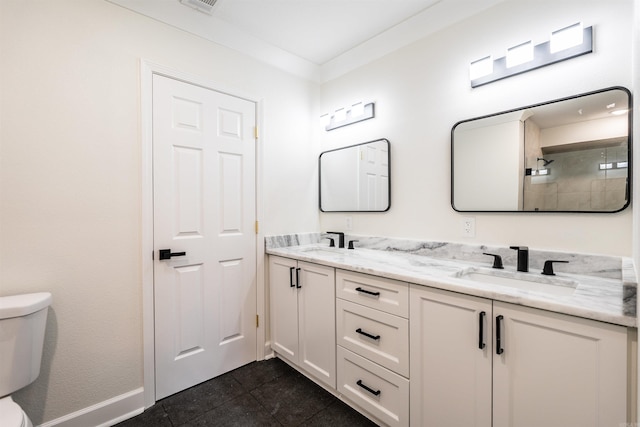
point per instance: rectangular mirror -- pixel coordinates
(356, 178)
(567, 155)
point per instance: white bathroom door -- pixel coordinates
(204, 214)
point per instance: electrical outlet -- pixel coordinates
(468, 226)
(348, 223)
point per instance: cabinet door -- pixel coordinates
(317, 321)
(450, 372)
(284, 307)
(558, 370)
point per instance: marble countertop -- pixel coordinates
(611, 300)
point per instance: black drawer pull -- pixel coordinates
(370, 390)
(481, 344)
(373, 337)
(291, 284)
(364, 291)
(298, 278)
(499, 349)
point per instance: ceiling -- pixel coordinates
(315, 39)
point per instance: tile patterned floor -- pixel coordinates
(266, 393)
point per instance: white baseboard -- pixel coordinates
(104, 414)
(268, 352)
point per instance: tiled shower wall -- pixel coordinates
(575, 182)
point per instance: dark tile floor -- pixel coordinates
(266, 393)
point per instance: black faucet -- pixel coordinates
(523, 257)
(340, 237)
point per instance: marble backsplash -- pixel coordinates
(611, 267)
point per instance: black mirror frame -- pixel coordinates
(344, 148)
(629, 187)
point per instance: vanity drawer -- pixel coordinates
(380, 337)
(388, 295)
(375, 389)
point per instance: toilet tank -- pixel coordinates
(23, 319)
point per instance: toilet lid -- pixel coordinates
(11, 414)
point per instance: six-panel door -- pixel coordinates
(204, 214)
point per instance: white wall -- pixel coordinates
(70, 174)
(489, 181)
(422, 90)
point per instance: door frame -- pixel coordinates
(147, 70)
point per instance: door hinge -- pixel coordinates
(255, 132)
(257, 226)
(257, 321)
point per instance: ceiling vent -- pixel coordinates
(204, 6)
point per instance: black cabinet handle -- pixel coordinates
(291, 284)
(499, 349)
(298, 278)
(373, 337)
(167, 254)
(370, 390)
(481, 344)
(364, 291)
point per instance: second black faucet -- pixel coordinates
(340, 237)
(523, 257)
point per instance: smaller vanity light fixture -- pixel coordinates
(565, 43)
(348, 115)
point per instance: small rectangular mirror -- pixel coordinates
(567, 155)
(356, 178)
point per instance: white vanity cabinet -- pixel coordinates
(373, 344)
(557, 370)
(302, 297)
(473, 357)
(450, 360)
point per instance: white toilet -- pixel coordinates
(23, 319)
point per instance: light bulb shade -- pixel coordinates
(566, 37)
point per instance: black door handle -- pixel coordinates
(167, 254)
(499, 349)
(481, 344)
(298, 278)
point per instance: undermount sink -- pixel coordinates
(542, 284)
(322, 250)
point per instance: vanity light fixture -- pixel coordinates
(565, 43)
(348, 115)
